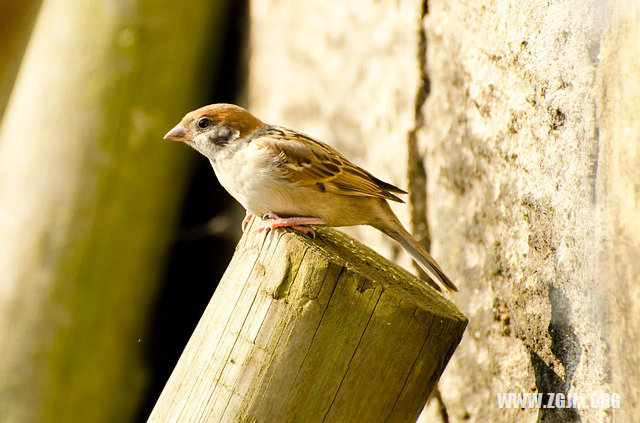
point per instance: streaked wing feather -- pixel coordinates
(314, 164)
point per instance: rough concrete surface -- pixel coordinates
(323, 68)
(530, 140)
(521, 158)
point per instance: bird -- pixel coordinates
(293, 180)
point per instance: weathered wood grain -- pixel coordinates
(312, 330)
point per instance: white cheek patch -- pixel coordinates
(218, 143)
(201, 142)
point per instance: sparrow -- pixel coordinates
(294, 180)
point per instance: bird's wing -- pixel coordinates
(313, 164)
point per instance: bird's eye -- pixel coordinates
(204, 122)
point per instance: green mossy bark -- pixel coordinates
(89, 194)
(17, 21)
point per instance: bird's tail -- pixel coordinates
(419, 254)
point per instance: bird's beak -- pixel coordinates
(178, 133)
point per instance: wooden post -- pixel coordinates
(312, 330)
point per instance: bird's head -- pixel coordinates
(212, 128)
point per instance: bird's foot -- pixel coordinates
(297, 223)
(247, 219)
(306, 230)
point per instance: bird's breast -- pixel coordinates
(253, 179)
(249, 177)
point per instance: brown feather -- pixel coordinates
(229, 114)
(314, 164)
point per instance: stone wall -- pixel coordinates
(514, 124)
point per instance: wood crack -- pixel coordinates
(344, 359)
(355, 350)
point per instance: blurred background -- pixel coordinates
(513, 124)
(112, 239)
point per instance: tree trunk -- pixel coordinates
(88, 194)
(17, 19)
(322, 330)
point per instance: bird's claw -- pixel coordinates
(247, 219)
(305, 230)
(300, 224)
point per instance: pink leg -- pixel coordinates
(248, 218)
(297, 223)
